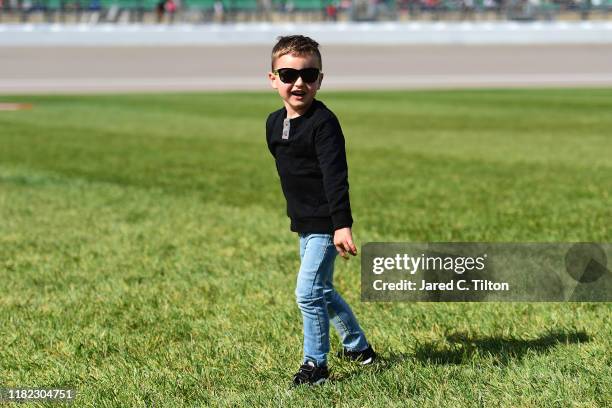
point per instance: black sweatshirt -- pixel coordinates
(311, 163)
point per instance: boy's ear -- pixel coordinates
(272, 79)
(320, 81)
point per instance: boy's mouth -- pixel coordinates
(298, 93)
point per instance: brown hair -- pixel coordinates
(296, 45)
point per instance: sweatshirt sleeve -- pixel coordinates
(331, 154)
(269, 130)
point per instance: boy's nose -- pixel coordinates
(298, 81)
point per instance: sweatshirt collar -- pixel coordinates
(306, 114)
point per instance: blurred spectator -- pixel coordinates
(26, 8)
(159, 9)
(410, 8)
(431, 5)
(170, 8)
(585, 9)
(331, 12)
(219, 12)
(266, 9)
(467, 9)
(289, 6)
(166, 7)
(95, 5)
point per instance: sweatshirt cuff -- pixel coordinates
(342, 219)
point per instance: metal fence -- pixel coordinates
(222, 11)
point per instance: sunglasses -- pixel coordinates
(290, 75)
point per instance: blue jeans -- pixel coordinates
(320, 303)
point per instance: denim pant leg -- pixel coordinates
(318, 300)
(317, 256)
(343, 319)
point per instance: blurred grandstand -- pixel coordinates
(221, 11)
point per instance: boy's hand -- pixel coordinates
(343, 240)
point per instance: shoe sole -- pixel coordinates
(367, 361)
(320, 381)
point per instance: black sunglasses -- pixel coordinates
(289, 75)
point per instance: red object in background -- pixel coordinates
(332, 11)
(170, 6)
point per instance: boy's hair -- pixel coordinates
(296, 45)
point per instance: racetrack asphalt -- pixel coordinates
(67, 69)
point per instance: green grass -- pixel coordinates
(145, 255)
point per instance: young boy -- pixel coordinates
(307, 143)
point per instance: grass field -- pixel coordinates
(145, 255)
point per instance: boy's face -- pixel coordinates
(296, 95)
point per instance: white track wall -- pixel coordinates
(466, 33)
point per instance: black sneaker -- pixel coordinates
(365, 357)
(310, 374)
